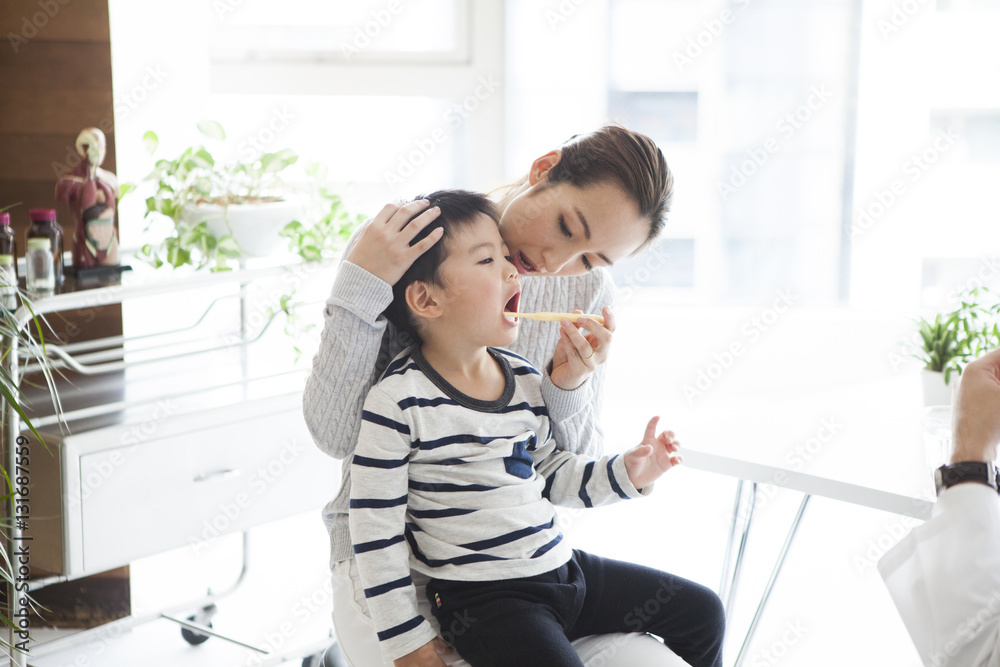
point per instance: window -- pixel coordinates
(397, 98)
(360, 32)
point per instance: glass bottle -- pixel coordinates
(8, 243)
(39, 265)
(8, 276)
(44, 225)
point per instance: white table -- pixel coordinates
(817, 401)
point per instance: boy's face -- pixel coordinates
(478, 283)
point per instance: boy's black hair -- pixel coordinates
(459, 209)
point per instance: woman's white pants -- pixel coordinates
(358, 643)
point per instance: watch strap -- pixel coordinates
(948, 476)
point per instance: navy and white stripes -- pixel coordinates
(460, 488)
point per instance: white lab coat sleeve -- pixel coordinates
(944, 578)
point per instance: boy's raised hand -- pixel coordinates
(655, 455)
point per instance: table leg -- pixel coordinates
(771, 581)
(731, 570)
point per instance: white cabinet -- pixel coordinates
(177, 472)
(200, 475)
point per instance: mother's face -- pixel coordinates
(565, 230)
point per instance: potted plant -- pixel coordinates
(220, 211)
(951, 340)
(328, 226)
(329, 222)
(12, 334)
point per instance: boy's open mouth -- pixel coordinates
(511, 307)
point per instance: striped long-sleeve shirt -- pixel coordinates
(358, 343)
(460, 488)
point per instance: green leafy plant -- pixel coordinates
(13, 401)
(195, 177)
(325, 233)
(331, 226)
(951, 340)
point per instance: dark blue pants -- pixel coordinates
(531, 621)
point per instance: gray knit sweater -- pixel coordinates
(358, 343)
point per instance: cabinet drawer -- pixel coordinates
(199, 476)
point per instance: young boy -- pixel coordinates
(455, 476)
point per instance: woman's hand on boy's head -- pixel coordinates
(577, 355)
(383, 247)
(655, 455)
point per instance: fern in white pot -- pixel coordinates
(951, 340)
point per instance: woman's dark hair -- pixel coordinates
(617, 155)
(459, 209)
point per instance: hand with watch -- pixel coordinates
(976, 427)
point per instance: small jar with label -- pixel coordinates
(8, 244)
(44, 225)
(40, 266)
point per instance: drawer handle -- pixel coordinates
(217, 474)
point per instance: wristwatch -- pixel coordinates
(948, 476)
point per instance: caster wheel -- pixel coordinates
(202, 617)
(191, 636)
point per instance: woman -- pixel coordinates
(596, 200)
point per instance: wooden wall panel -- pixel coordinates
(58, 66)
(55, 80)
(23, 115)
(40, 157)
(55, 83)
(56, 20)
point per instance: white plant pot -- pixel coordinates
(936, 392)
(254, 226)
